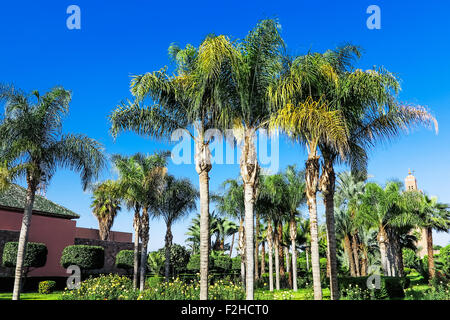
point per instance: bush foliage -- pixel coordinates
(35, 257)
(86, 257)
(46, 287)
(125, 259)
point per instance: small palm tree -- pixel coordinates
(177, 200)
(142, 179)
(33, 146)
(106, 206)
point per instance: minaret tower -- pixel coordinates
(411, 182)
(411, 185)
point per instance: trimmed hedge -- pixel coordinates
(35, 257)
(390, 287)
(46, 287)
(86, 257)
(125, 259)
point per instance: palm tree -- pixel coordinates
(177, 200)
(307, 118)
(106, 206)
(231, 203)
(295, 198)
(190, 98)
(432, 215)
(252, 65)
(389, 211)
(33, 146)
(142, 179)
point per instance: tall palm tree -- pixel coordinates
(231, 203)
(106, 205)
(177, 200)
(308, 119)
(252, 65)
(142, 178)
(295, 198)
(192, 98)
(33, 146)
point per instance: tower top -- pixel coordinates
(410, 182)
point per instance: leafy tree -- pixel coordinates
(33, 147)
(105, 206)
(192, 98)
(176, 201)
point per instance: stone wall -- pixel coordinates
(6, 236)
(111, 250)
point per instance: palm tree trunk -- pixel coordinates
(203, 166)
(382, 239)
(168, 244)
(232, 244)
(144, 244)
(348, 251)
(242, 249)
(355, 254)
(280, 248)
(257, 246)
(307, 258)
(249, 173)
(204, 234)
(430, 253)
(293, 236)
(263, 258)
(136, 225)
(23, 237)
(269, 237)
(327, 185)
(277, 263)
(312, 177)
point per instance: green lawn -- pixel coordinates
(301, 294)
(32, 296)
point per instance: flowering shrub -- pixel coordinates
(46, 287)
(114, 287)
(179, 290)
(104, 287)
(439, 291)
(357, 293)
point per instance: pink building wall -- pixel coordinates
(56, 233)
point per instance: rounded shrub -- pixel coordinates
(46, 287)
(35, 256)
(86, 257)
(125, 259)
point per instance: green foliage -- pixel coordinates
(222, 263)
(194, 262)
(46, 287)
(179, 257)
(440, 291)
(125, 259)
(155, 262)
(153, 281)
(390, 287)
(263, 281)
(410, 259)
(35, 257)
(104, 287)
(236, 263)
(86, 257)
(444, 259)
(180, 290)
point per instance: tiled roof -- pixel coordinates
(14, 197)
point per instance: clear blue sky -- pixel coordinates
(117, 40)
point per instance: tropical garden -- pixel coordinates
(259, 236)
